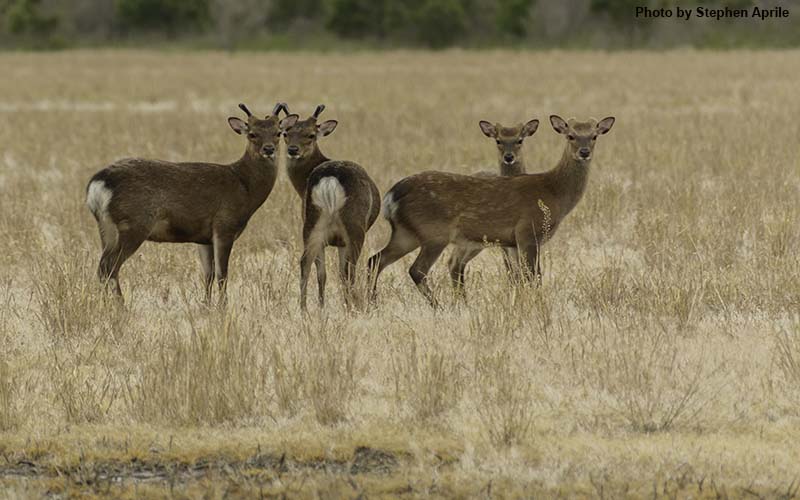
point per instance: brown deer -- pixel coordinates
(433, 209)
(509, 142)
(136, 200)
(340, 203)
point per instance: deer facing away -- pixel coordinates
(509, 142)
(433, 209)
(340, 203)
(136, 200)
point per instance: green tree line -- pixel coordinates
(428, 23)
(435, 23)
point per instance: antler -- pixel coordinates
(319, 111)
(280, 106)
(246, 111)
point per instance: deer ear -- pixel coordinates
(238, 125)
(605, 125)
(559, 124)
(326, 128)
(530, 128)
(488, 129)
(288, 122)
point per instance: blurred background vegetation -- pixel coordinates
(354, 24)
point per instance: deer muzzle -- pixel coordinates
(268, 151)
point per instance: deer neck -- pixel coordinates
(516, 168)
(258, 175)
(569, 180)
(300, 169)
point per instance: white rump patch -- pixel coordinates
(98, 196)
(328, 194)
(389, 206)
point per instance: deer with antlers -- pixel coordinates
(340, 203)
(136, 200)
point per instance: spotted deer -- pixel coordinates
(340, 203)
(509, 142)
(433, 209)
(136, 200)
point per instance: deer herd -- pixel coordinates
(137, 200)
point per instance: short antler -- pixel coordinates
(280, 106)
(319, 110)
(244, 108)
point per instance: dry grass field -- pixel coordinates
(660, 357)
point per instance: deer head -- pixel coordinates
(301, 136)
(509, 139)
(581, 136)
(263, 135)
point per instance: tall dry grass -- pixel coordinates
(664, 332)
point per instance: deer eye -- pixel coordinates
(519, 141)
(571, 137)
(497, 141)
(311, 136)
(251, 135)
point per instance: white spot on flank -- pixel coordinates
(328, 194)
(389, 206)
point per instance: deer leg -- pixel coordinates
(419, 269)
(528, 248)
(532, 256)
(458, 266)
(322, 276)
(345, 274)
(348, 257)
(531, 269)
(348, 260)
(222, 254)
(104, 270)
(511, 261)
(314, 241)
(111, 244)
(305, 271)
(113, 257)
(343, 264)
(206, 253)
(401, 243)
(454, 265)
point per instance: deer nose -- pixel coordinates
(268, 150)
(293, 150)
(508, 158)
(584, 152)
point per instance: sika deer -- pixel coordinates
(434, 209)
(340, 203)
(136, 200)
(509, 147)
